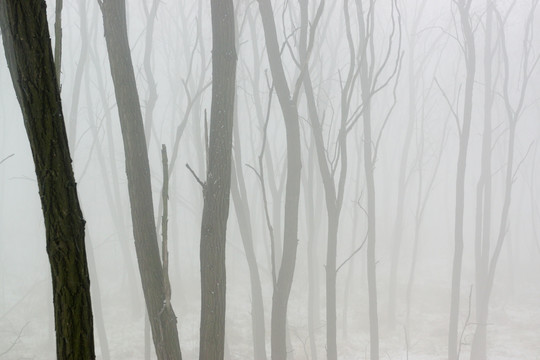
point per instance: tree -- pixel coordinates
(29, 56)
(404, 162)
(160, 312)
(370, 84)
(486, 261)
(282, 287)
(334, 185)
(216, 189)
(469, 52)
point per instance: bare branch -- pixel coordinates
(203, 185)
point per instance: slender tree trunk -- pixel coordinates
(402, 179)
(117, 208)
(241, 206)
(283, 286)
(218, 182)
(29, 56)
(464, 131)
(77, 84)
(365, 84)
(152, 92)
(483, 201)
(58, 41)
(162, 318)
(371, 242)
(312, 259)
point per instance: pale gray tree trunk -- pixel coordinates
(162, 317)
(464, 132)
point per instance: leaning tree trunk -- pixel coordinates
(29, 56)
(161, 314)
(216, 190)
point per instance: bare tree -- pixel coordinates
(287, 101)
(469, 52)
(487, 261)
(29, 56)
(404, 163)
(370, 72)
(162, 317)
(333, 181)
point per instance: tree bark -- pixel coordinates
(29, 56)
(216, 190)
(162, 318)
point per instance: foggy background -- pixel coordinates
(180, 63)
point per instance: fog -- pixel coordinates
(397, 102)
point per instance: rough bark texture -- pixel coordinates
(30, 59)
(284, 281)
(216, 190)
(162, 318)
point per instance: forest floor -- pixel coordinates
(513, 331)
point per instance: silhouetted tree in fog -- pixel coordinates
(160, 313)
(469, 52)
(216, 188)
(371, 82)
(288, 103)
(486, 261)
(29, 56)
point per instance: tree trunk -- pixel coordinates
(483, 202)
(162, 318)
(283, 286)
(29, 56)
(460, 179)
(241, 205)
(218, 182)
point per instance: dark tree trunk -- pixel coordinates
(29, 56)
(216, 190)
(162, 318)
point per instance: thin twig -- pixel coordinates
(195, 176)
(7, 157)
(353, 253)
(14, 342)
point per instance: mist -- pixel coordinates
(351, 179)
